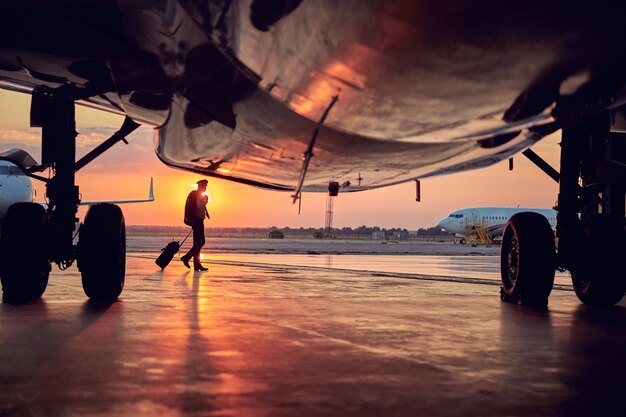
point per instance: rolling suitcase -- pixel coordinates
(168, 252)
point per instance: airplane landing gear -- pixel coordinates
(598, 278)
(590, 222)
(24, 265)
(32, 236)
(590, 219)
(527, 260)
(102, 252)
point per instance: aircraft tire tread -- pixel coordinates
(102, 252)
(24, 264)
(599, 278)
(527, 260)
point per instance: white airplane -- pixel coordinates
(492, 219)
(17, 187)
(303, 95)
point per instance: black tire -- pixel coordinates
(24, 264)
(599, 276)
(102, 252)
(462, 241)
(527, 260)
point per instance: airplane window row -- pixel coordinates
(7, 170)
(552, 219)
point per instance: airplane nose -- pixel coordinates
(443, 223)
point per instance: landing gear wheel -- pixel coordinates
(599, 277)
(462, 241)
(102, 252)
(24, 265)
(527, 260)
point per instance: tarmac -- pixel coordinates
(269, 340)
(221, 245)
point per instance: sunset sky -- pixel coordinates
(124, 172)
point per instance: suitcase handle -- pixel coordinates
(181, 243)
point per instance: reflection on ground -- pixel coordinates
(481, 267)
(282, 341)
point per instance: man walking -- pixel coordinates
(195, 211)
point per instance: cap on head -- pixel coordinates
(202, 182)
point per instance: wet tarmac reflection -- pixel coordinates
(284, 341)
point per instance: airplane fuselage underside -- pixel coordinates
(236, 89)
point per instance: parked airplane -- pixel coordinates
(301, 95)
(491, 219)
(17, 187)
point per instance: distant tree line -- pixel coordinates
(262, 232)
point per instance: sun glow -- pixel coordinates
(207, 193)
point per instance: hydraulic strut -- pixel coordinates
(567, 224)
(55, 115)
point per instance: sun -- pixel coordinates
(207, 193)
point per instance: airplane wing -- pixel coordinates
(150, 198)
(293, 94)
(92, 202)
(24, 161)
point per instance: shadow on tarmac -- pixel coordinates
(594, 363)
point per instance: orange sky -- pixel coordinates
(124, 171)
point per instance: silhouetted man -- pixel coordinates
(195, 211)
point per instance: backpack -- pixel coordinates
(191, 205)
